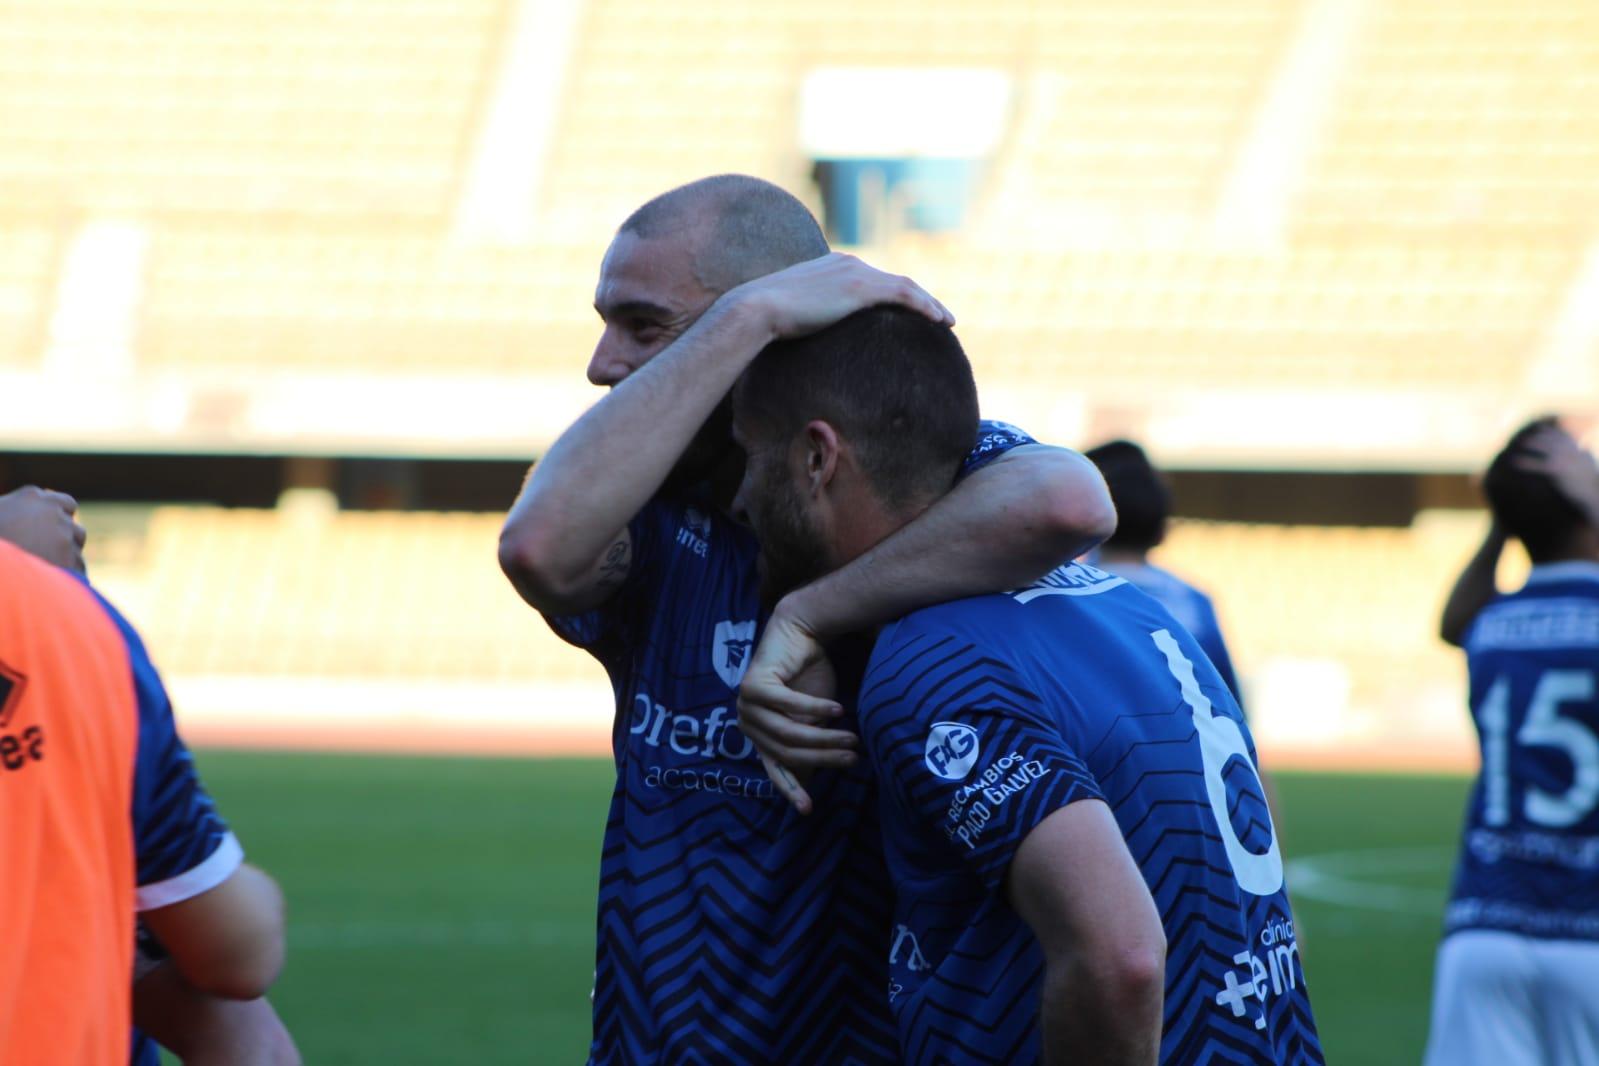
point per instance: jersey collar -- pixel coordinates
(1571, 570)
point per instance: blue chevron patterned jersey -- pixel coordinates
(731, 930)
(984, 716)
(1529, 859)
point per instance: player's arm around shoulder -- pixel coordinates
(565, 591)
(1009, 522)
(1076, 886)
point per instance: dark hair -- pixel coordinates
(1527, 503)
(749, 227)
(894, 383)
(1143, 502)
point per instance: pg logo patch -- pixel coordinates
(952, 750)
(730, 651)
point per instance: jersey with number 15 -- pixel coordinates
(984, 716)
(1529, 860)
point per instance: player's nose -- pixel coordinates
(608, 366)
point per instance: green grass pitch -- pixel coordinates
(441, 910)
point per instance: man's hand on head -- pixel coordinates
(813, 295)
(1556, 454)
(786, 696)
(44, 523)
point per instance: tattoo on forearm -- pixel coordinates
(618, 560)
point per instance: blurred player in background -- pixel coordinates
(1516, 972)
(213, 898)
(730, 928)
(1143, 507)
(1048, 758)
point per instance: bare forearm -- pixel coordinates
(1474, 588)
(605, 468)
(1082, 1022)
(1004, 526)
(205, 1030)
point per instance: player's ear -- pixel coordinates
(821, 455)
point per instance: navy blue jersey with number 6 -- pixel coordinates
(984, 716)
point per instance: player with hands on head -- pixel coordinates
(728, 929)
(1548, 449)
(1515, 968)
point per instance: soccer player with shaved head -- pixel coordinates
(1070, 802)
(732, 928)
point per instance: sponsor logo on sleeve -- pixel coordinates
(730, 651)
(952, 750)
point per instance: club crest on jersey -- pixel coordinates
(730, 651)
(952, 750)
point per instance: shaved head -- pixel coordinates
(742, 227)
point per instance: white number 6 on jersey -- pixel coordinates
(1219, 740)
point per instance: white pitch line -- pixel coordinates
(1339, 877)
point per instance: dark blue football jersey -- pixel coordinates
(1529, 857)
(984, 716)
(730, 928)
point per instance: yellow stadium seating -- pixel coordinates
(373, 595)
(364, 300)
(27, 255)
(298, 167)
(249, 106)
(1465, 116)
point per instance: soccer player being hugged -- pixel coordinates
(1516, 973)
(1084, 864)
(732, 929)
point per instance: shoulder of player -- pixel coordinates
(930, 648)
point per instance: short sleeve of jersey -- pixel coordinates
(963, 749)
(994, 439)
(609, 627)
(182, 846)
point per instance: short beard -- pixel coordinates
(792, 551)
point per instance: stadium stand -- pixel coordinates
(377, 595)
(1459, 119)
(28, 254)
(365, 301)
(1378, 316)
(298, 175)
(185, 107)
